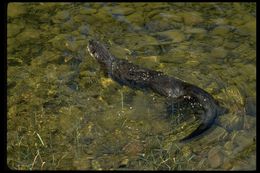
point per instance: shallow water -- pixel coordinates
(64, 113)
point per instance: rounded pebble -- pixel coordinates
(215, 157)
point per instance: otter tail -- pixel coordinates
(211, 108)
(208, 118)
(200, 129)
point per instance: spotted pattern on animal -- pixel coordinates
(134, 76)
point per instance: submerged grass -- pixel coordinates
(64, 113)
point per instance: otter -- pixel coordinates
(134, 76)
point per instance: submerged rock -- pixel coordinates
(221, 31)
(59, 41)
(149, 58)
(61, 16)
(174, 35)
(133, 148)
(242, 139)
(147, 61)
(177, 56)
(136, 18)
(250, 106)
(192, 18)
(216, 42)
(29, 34)
(218, 52)
(248, 29)
(84, 30)
(16, 9)
(123, 11)
(249, 122)
(157, 25)
(87, 11)
(229, 145)
(216, 134)
(13, 29)
(242, 165)
(192, 30)
(215, 157)
(231, 121)
(124, 163)
(220, 21)
(230, 45)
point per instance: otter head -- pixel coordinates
(100, 53)
(92, 48)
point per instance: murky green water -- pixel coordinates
(63, 113)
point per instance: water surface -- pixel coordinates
(64, 113)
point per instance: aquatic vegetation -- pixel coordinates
(63, 113)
